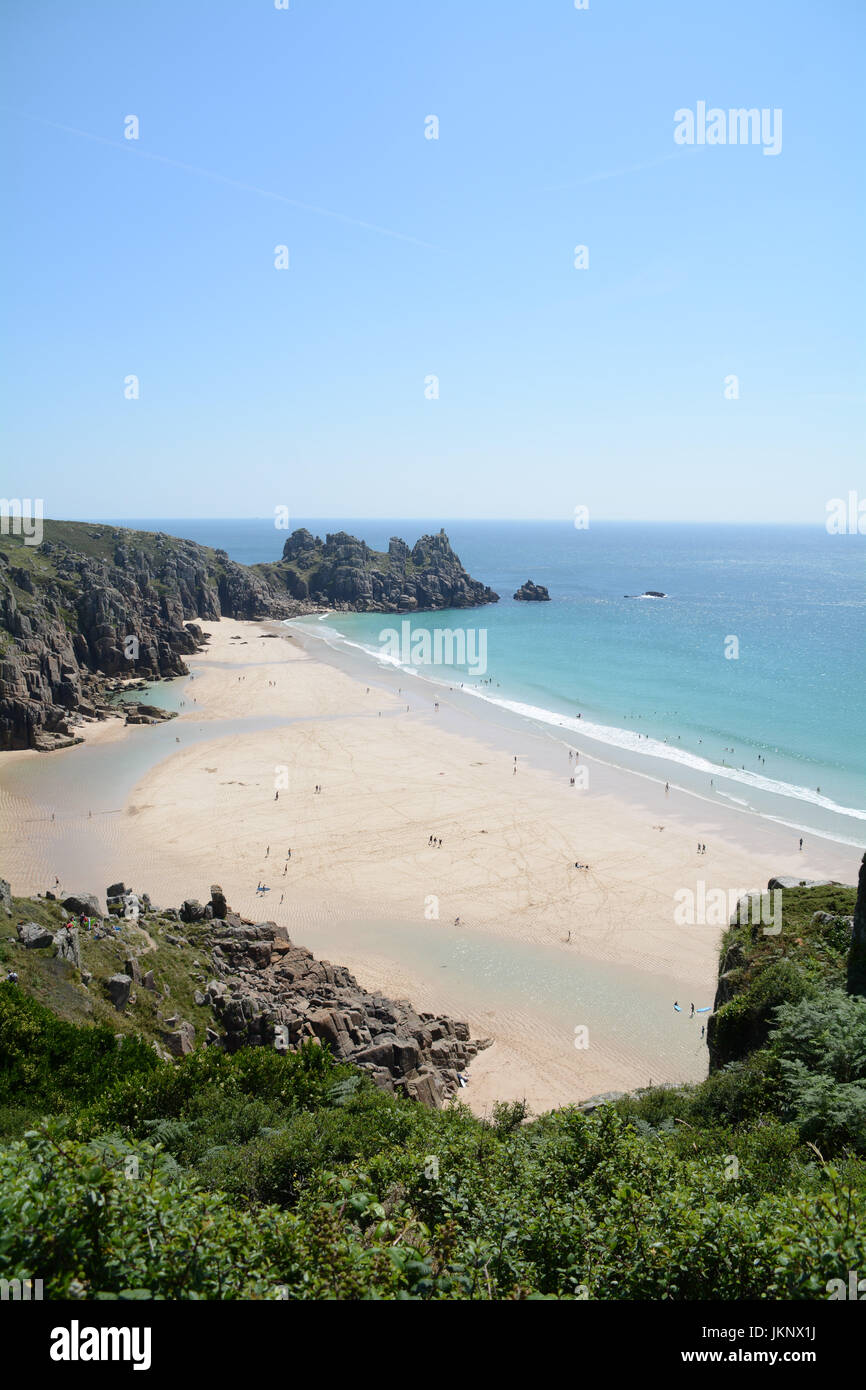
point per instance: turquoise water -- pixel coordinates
(165, 694)
(778, 728)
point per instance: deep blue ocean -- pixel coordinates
(779, 727)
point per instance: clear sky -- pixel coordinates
(413, 257)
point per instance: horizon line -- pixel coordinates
(491, 520)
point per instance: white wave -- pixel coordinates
(624, 739)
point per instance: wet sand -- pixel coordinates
(542, 948)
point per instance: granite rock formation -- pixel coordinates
(532, 593)
(343, 572)
(91, 603)
(94, 607)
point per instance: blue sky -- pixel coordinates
(412, 257)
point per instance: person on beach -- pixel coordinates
(703, 1029)
(692, 1014)
(801, 844)
(676, 1004)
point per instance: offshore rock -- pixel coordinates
(532, 593)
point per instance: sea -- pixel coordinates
(745, 682)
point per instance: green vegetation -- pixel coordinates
(256, 1175)
(174, 951)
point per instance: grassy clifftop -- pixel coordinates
(293, 1176)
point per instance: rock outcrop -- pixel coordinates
(256, 988)
(92, 604)
(532, 593)
(343, 572)
(93, 608)
(33, 936)
(857, 950)
(269, 991)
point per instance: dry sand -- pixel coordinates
(391, 778)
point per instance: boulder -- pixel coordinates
(181, 1040)
(132, 967)
(5, 897)
(191, 910)
(83, 904)
(67, 946)
(218, 904)
(31, 935)
(119, 987)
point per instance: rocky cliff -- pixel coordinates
(343, 572)
(93, 602)
(202, 975)
(764, 963)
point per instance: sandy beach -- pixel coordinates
(368, 882)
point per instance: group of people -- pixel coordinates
(691, 1015)
(263, 887)
(431, 840)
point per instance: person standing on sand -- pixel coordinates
(801, 844)
(692, 1013)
